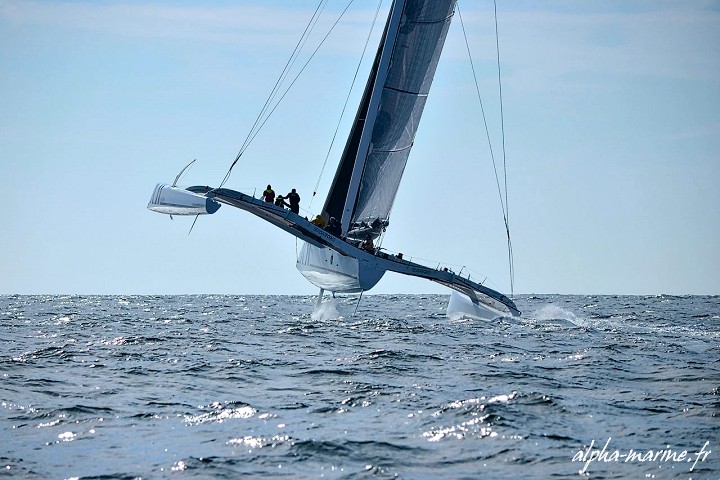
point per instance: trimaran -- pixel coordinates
(368, 174)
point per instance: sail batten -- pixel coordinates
(394, 151)
(417, 94)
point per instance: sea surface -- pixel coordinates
(225, 387)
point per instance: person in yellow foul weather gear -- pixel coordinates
(318, 220)
(280, 201)
(269, 194)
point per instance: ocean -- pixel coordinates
(224, 387)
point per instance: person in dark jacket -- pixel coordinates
(294, 200)
(334, 227)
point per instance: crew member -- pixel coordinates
(367, 245)
(269, 194)
(334, 227)
(280, 201)
(318, 220)
(294, 200)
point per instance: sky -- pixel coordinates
(612, 144)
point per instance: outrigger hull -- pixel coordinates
(354, 270)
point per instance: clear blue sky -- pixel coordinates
(612, 119)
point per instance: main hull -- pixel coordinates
(330, 270)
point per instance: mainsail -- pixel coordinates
(374, 159)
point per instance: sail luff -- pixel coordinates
(380, 77)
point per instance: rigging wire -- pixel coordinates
(502, 131)
(273, 92)
(482, 109)
(267, 114)
(303, 68)
(503, 201)
(288, 66)
(347, 100)
(193, 224)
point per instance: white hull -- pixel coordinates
(327, 269)
(178, 201)
(460, 306)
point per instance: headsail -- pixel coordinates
(377, 150)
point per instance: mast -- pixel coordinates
(377, 150)
(385, 54)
